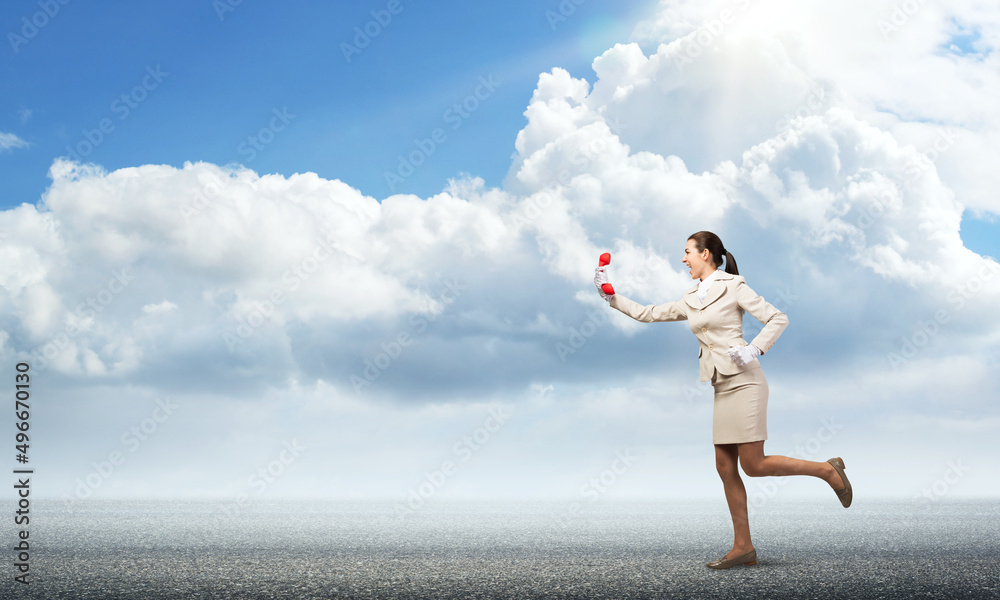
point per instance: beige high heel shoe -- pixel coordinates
(750, 558)
(846, 493)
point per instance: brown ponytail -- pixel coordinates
(706, 240)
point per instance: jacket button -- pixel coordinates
(711, 347)
(704, 329)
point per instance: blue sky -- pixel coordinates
(194, 209)
(226, 75)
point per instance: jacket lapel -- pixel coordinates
(714, 292)
(691, 297)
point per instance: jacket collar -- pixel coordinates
(714, 292)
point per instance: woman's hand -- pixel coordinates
(743, 355)
(601, 279)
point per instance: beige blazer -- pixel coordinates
(717, 323)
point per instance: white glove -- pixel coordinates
(743, 355)
(600, 278)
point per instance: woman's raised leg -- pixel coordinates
(755, 464)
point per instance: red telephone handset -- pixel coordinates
(604, 261)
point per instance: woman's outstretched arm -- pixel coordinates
(671, 311)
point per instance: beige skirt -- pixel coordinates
(740, 413)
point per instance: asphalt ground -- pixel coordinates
(151, 550)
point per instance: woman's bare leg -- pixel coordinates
(755, 464)
(726, 462)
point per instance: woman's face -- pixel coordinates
(700, 263)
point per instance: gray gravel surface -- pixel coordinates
(151, 550)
